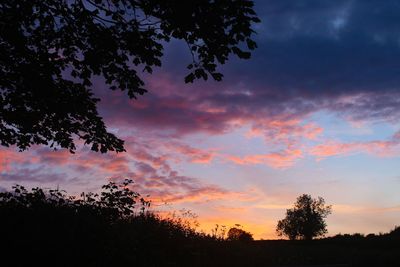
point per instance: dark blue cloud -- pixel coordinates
(326, 47)
(316, 47)
(340, 56)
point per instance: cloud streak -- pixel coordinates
(386, 148)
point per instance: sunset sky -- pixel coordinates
(315, 110)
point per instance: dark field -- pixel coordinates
(128, 252)
(336, 252)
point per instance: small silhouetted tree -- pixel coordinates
(237, 234)
(51, 50)
(305, 220)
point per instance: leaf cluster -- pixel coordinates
(50, 52)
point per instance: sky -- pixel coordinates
(315, 110)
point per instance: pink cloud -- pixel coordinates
(379, 148)
(146, 163)
(84, 160)
(9, 156)
(282, 159)
(175, 188)
(211, 109)
(194, 155)
(284, 128)
(58, 157)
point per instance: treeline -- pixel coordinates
(392, 234)
(112, 228)
(115, 228)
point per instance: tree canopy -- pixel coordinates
(51, 50)
(306, 219)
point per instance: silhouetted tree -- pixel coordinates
(237, 234)
(50, 50)
(305, 220)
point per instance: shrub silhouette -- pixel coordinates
(305, 220)
(395, 232)
(116, 228)
(237, 234)
(111, 228)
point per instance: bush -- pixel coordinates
(111, 228)
(237, 234)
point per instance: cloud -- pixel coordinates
(344, 208)
(194, 155)
(8, 156)
(338, 57)
(384, 148)
(56, 157)
(147, 163)
(174, 188)
(313, 57)
(32, 175)
(282, 159)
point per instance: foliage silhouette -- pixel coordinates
(105, 229)
(306, 219)
(50, 228)
(51, 50)
(237, 234)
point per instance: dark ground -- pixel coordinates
(39, 228)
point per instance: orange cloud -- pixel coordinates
(200, 195)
